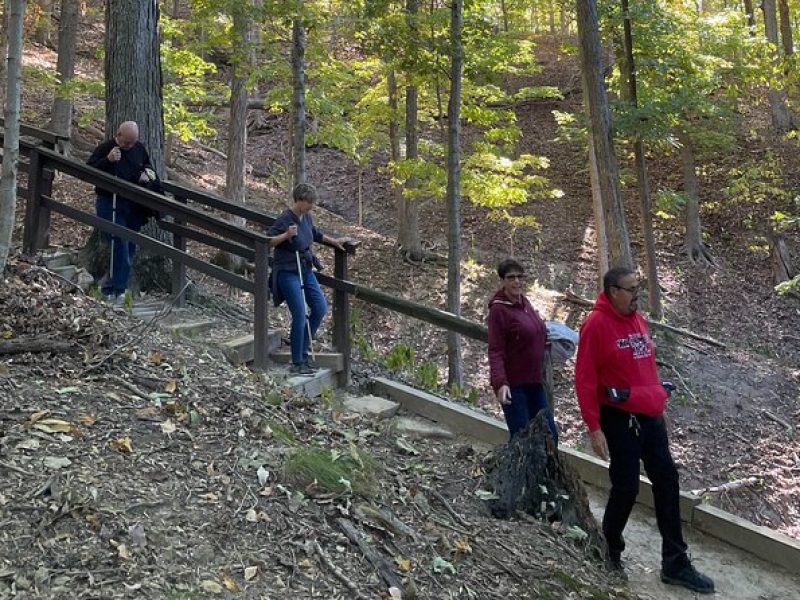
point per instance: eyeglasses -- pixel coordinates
(631, 290)
(517, 276)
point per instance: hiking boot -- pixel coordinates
(615, 568)
(302, 369)
(682, 572)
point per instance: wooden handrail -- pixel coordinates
(44, 135)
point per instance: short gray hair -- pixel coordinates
(304, 191)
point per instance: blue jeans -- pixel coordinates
(526, 402)
(123, 250)
(289, 286)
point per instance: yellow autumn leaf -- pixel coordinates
(88, 420)
(462, 547)
(171, 386)
(168, 427)
(7, 334)
(404, 565)
(155, 357)
(304, 564)
(124, 445)
(212, 587)
(230, 584)
(54, 426)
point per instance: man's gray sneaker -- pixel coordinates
(301, 369)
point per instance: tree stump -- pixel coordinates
(529, 475)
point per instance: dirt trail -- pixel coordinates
(737, 574)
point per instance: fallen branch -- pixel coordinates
(726, 487)
(443, 501)
(35, 345)
(777, 419)
(338, 572)
(575, 299)
(379, 563)
(128, 386)
(14, 468)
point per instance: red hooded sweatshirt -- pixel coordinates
(517, 336)
(616, 351)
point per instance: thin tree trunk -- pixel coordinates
(455, 364)
(695, 248)
(394, 143)
(412, 243)
(3, 50)
(504, 12)
(599, 216)
(551, 16)
(8, 177)
(781, 117)
(61, 122)
(44, 22)
(299, 101)
(782, 268)
(629, 76)
(786, 28)
(235, 176)
(600, 117)
(751, 16)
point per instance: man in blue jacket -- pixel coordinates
(125, 157)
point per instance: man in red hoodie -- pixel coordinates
(622, 402)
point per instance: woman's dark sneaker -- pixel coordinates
(615, 568)
(682, 572)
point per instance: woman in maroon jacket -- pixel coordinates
(517, 337)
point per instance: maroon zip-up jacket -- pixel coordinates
(517, 337)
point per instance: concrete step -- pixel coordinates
(59, 258)
(191, 328)
(241, 350)
(312, 385)
(68, 272)
(325, 360)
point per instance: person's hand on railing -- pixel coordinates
(337, 243)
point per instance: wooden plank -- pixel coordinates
(147, 242)
(181, 231)
(35, 132)
(341, 318)
(261, 307)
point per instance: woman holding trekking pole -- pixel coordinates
(293, 277)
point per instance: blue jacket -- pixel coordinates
(285, 258)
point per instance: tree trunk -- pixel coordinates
(695, 248)
(237, 124)
(44, 22)
(781, 117)
(299, 101)
(61, 122)
(751, 16)
(412, 243)
(3, 50)
(133, 73)
(8, 181)
(551, 17)
(454, 362)
(394, 144)
(600, 118)
(504, 12)
(786, 28)
(628, 68)
(782, 268)
(599, 218)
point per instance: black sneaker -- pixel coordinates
(683, 573)
(615, 568)
(302, 369)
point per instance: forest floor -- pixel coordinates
(735, 418)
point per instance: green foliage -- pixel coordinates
(789, 288)
(667, 204)
(427, 375)
(756, 182)
(358, 335)
(333, 471)
(400, 358)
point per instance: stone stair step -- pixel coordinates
(241, 350)
(191, 328)
(68, 271)
(60, 258)
(325, 360)
(312, 385)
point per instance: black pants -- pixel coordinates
(631, 438)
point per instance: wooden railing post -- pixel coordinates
(341, 317)
(37, 216)
(178, 267)
(261, 308)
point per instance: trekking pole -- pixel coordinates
(305, 305)
(113, 239)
